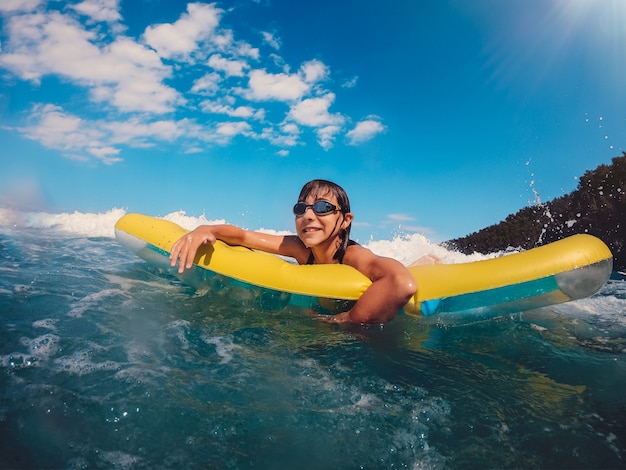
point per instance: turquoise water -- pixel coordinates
(105, 362)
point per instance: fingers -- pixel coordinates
(186, 247)
(426, 260)
(188, 254)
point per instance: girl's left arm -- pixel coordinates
(392, 287)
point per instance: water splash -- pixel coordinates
(405, 248)
(543, 207)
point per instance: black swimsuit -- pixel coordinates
(311, 259)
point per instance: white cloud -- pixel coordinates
(233, 128)
(264, 86)
(136, 132)
(44, 43)
(183, 37)
(124, 73)
(100, 10)
(364, 131)
(313, 112)
(232, 68)
(138, 83)
(286, 135)
(244, 49)
(208, 84)
(350, 83)
(15, 6)
(279, 62)
(314, 71)
(400, 218)
(401, 221)
(55, 128)
(271, 40)
(106, 154)
(226, 131)
(326, 136)
(136, 95)
(289, 128)
(240, 111)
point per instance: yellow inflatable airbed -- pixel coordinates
(569, 269)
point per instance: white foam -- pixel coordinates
(80, 364)
(76, 223)
(410, 247)
(18, 360)
(405, 248)
(126, 284)
(119, 459)
(224, 347)
(96, 298)
(180, 330)
(609, 307)
(188, 222)
(42, 347)
(47, 323)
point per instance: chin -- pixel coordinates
(310, 242)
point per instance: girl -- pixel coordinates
(323, 221)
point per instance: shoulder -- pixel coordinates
(371, 264)
(293, 247)
(359, 257)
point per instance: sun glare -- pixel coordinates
(561, 37)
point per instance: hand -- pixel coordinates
(186, 247)
(426, 260)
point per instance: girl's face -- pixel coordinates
(315, 230)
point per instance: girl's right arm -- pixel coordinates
(186, 247)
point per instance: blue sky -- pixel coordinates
(440, 117)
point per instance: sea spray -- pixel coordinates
(406, 248)
(76, 223)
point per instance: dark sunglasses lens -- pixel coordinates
(299, 208)
(323, 207)
(319, 207)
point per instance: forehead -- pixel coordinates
(321, 193)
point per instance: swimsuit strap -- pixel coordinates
(341, 254)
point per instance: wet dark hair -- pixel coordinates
(318, 188)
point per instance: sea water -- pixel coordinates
(107, 363)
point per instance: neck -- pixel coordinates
(324, 254)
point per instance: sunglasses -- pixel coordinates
(320, 207)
